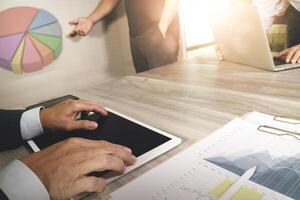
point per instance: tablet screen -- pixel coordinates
(114, 129)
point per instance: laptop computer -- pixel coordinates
(241, 38)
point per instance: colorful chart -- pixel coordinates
(30, 39)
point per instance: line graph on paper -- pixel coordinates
(210, 167)
(280, 174)
(277, 159)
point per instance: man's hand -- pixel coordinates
(291, 55)
(83, 25)
(62, 116)
(219, 53)
(168, 14)
(163, 29)
(63, 167)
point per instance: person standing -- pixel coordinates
(153, 29)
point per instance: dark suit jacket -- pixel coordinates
(3, 196)
(10, 131)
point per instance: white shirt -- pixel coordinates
(17, 181)
(295, 4)
(270, 8)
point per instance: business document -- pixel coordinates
(210, 167)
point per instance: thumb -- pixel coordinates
(284, 52)
(74, 22)
(82, 124)
(88, 184)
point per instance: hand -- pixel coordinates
(63, 167)
(83, 26)
(291, 55)
(62, 115)
(219, 54)
(163, 29)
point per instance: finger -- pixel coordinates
(72, 33)
(100, 108)
(284, 52)
(81, 124)
(96, 149)
(88, 184)
(74, 22)
(219, 54)
(290, 55)
(122, 152)
(276, 54)
(75, 31)
(80, 106)
(296, 57)
(80, 33)
(101, 163)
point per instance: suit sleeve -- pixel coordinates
(3, 196)
(10, 131)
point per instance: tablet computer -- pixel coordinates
(146, 142)
(52, 102)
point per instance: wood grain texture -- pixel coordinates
(192, 100)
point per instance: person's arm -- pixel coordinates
(61, 170)
(10, 132)
(169, 12)
(18, 182)
(17, 125)
(3, 195)
(83, 25)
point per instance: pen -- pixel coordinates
(238, 184)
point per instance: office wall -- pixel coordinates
(102, 56)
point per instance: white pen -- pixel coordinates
(238, 184)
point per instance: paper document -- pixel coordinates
(209, 168)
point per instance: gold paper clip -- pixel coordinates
(286, 120)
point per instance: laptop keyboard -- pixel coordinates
(278, 61)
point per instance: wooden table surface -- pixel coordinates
(192, 100)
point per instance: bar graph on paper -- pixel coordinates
(211, 187)
(209, 168)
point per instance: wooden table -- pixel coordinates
(192, 100)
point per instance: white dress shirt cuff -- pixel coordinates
(18, 182)
(30, 124)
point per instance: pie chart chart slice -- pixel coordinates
(30, 39)
(8, 47)
(43, 18)
(52, 42)
(32, 60)
(16, 20)
(51, 30)
(45, 52)
(17, 61)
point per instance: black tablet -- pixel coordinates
(145, 141)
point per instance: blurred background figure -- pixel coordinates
(153, 29)
(281, 20)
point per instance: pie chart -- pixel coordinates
(30, 39)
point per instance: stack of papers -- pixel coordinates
(266, 144)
